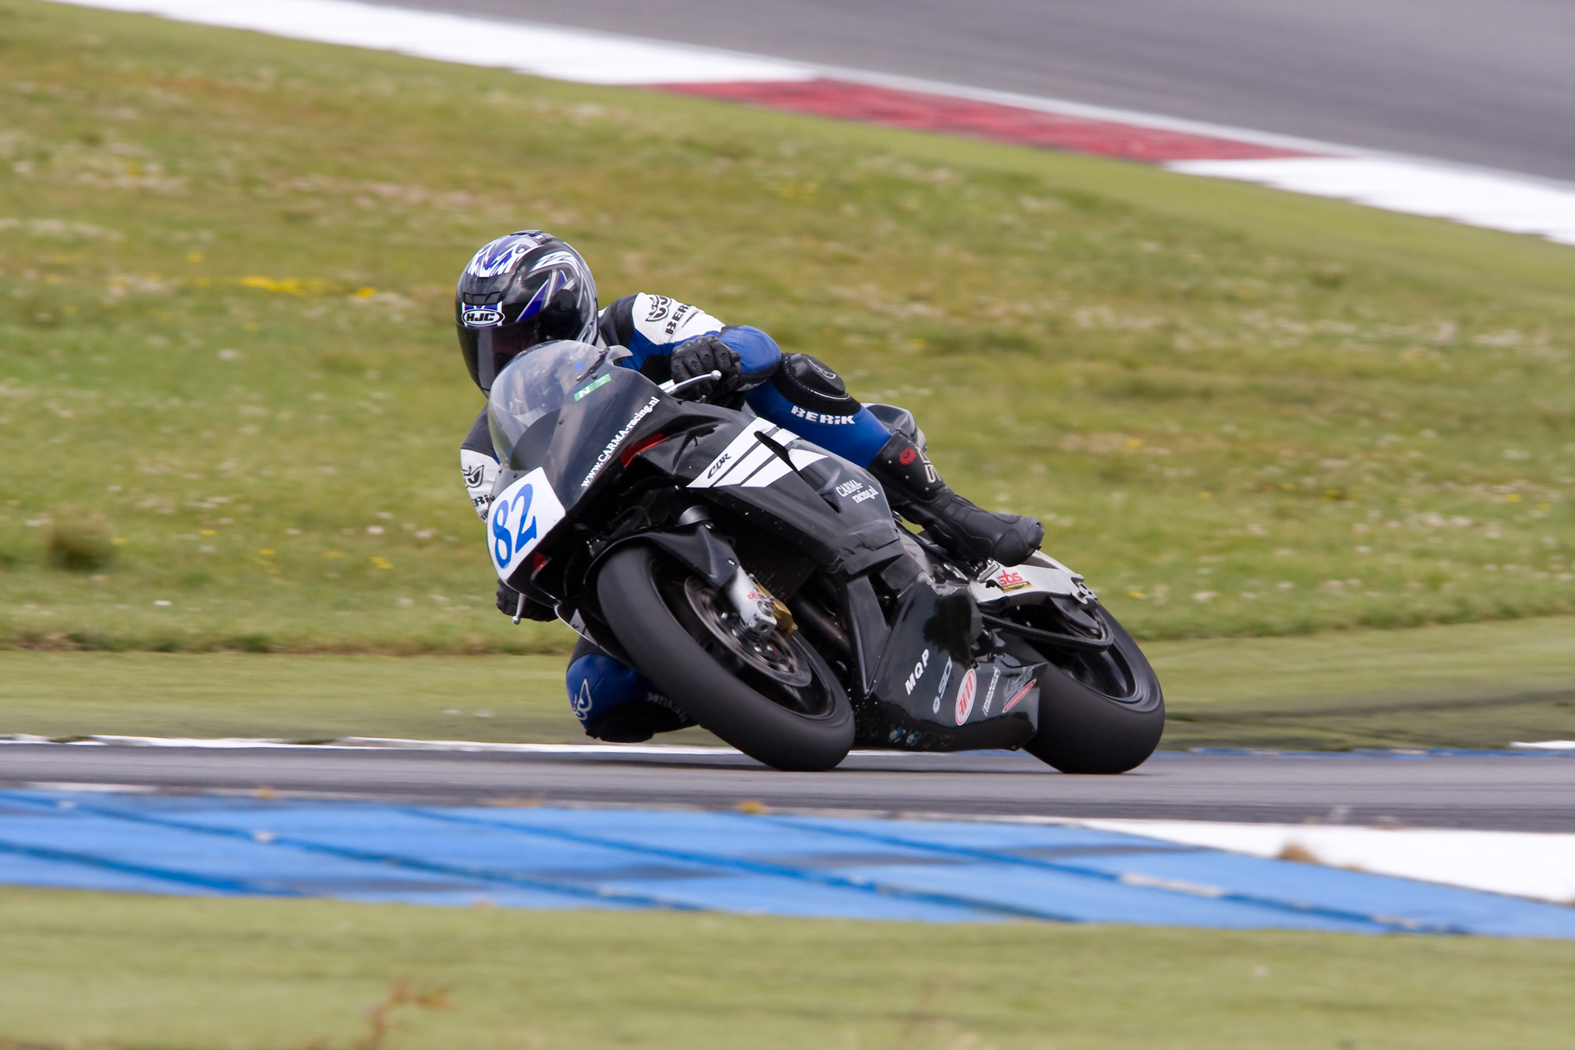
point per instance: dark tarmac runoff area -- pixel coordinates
(1490, 84)
(1482, 790)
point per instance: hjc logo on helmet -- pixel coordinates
(482, 317)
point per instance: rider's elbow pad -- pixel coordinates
(758, 353)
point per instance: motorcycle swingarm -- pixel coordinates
(1054, 639)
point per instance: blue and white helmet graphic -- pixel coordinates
(500, 255)
(517, 291)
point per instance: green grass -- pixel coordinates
(228, 381)
(1463, 685)
(303, 698)
(85, 969)
(1470, 685)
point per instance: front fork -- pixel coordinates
(760, 610)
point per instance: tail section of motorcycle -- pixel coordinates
(1021, 657)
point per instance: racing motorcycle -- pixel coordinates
(763, 584)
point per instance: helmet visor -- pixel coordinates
(488, 351)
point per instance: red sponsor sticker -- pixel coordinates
(1017, 697)
(965, 693)
(1009, 581)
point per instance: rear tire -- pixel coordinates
(643, 600)
(1099, 712)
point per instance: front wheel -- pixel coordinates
(1100, 711)
(772, 697)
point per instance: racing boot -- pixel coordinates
(915, 490)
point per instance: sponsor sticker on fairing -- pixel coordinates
(617, 439)
(946, 678)
(600, 381)
(857, 489)
(989, 694)
(1018, 696)
(748, 463)
(1010, 580)
(965, 693)
(918, 671)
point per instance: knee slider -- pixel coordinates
(807, 383)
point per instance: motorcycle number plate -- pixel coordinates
(520, 518)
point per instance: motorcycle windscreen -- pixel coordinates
(598, 430)
(527, 396)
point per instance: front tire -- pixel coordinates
(646, 602)
(1099, 712)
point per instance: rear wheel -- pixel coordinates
(771, 696)
(1100, 710)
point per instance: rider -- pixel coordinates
(530, 287)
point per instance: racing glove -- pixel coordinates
(706, 353)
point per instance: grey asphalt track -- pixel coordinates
(1464, 80)
(1500, 792)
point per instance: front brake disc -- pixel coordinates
(770, 653)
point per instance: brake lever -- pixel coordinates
(671, 387)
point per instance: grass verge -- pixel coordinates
(229, 398)
(86, 969)
(1463, 685)
(1470, 685)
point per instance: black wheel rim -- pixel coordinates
(770, 654)
(802, 690)
(1105, 671)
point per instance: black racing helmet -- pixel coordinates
(520, 290)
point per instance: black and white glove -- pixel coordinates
(703, 355)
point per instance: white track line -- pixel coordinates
(380, 743)
(369, 743)
(1498, 201)
(1518, 863)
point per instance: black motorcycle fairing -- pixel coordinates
(618, 415)
(871, 633)
(695, 547)
(590, 439)
(770, 477)
(926, 698)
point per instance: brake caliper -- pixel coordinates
(756, 606)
